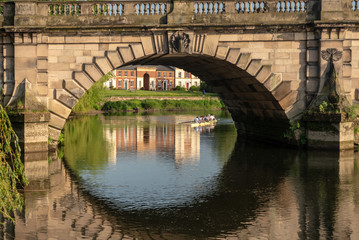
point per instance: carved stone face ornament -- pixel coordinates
(179, 42)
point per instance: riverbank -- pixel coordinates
(148, 104)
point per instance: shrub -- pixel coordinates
(179, 88)
(194, 89)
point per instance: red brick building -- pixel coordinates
(126, 78)
(145, 77)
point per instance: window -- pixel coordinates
(179, 74)
(164, 74)
(196, 83)
(170, 84)
(120, 73)
(132, 84)
(170, 74)
(132, 73)
(187, 75)
(179, 83)
(120, 84)
(159, 84)
(159, 74)
(153, 84)
(140, 83)
(126, 73)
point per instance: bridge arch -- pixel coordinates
(247, 84)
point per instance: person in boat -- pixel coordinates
(196, 119)
(212, 117)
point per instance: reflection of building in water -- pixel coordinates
(180, 140)
(110, 136)
(187, 144)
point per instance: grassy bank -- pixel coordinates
(143, 93)
(167, 105)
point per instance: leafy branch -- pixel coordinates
(11, 168)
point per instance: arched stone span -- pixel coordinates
(247, 85)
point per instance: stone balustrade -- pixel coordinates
(153, 13)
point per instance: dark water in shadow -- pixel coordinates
(145, 177)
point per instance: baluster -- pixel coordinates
(201, 8)
(206, 8)
(142, 9)
(147, 9)
(115, 9)
(121, 9)
(237, 7)
(263, 7)
(196, 8)
(137, 9)
(152, 9)
(257, 7)
(303, 6)
(222, 7)
(163, 8)
(216, 8)
(211, 8)
(157, 9)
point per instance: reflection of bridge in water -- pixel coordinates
(270, 197)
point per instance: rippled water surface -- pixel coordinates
(149, 177)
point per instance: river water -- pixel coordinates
(148, 177)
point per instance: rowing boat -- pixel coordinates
(203, 123)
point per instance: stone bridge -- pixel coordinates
(264, 58)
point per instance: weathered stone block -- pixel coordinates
(210, 44)
(273, 82)
(103, 64)
(93, 71)
(282, 90)
(137, 50)
(59, 108)
(148, 45)
(83, 79)
(42, 64)
(42, 77)
(126, 54)
(65, 97)
(74, 88)
(233, 55)
(56, 121)
(312, 55)
(244, 60)
(222, 52)
(114, 58)
(264, 73)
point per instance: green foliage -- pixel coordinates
(356, 129)
(352, 111)
(11, 169)
(154, 104)
(194, 89)
(94, 96)
(145, 93)
(295, 126)
(179, 88)
(323, 107)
